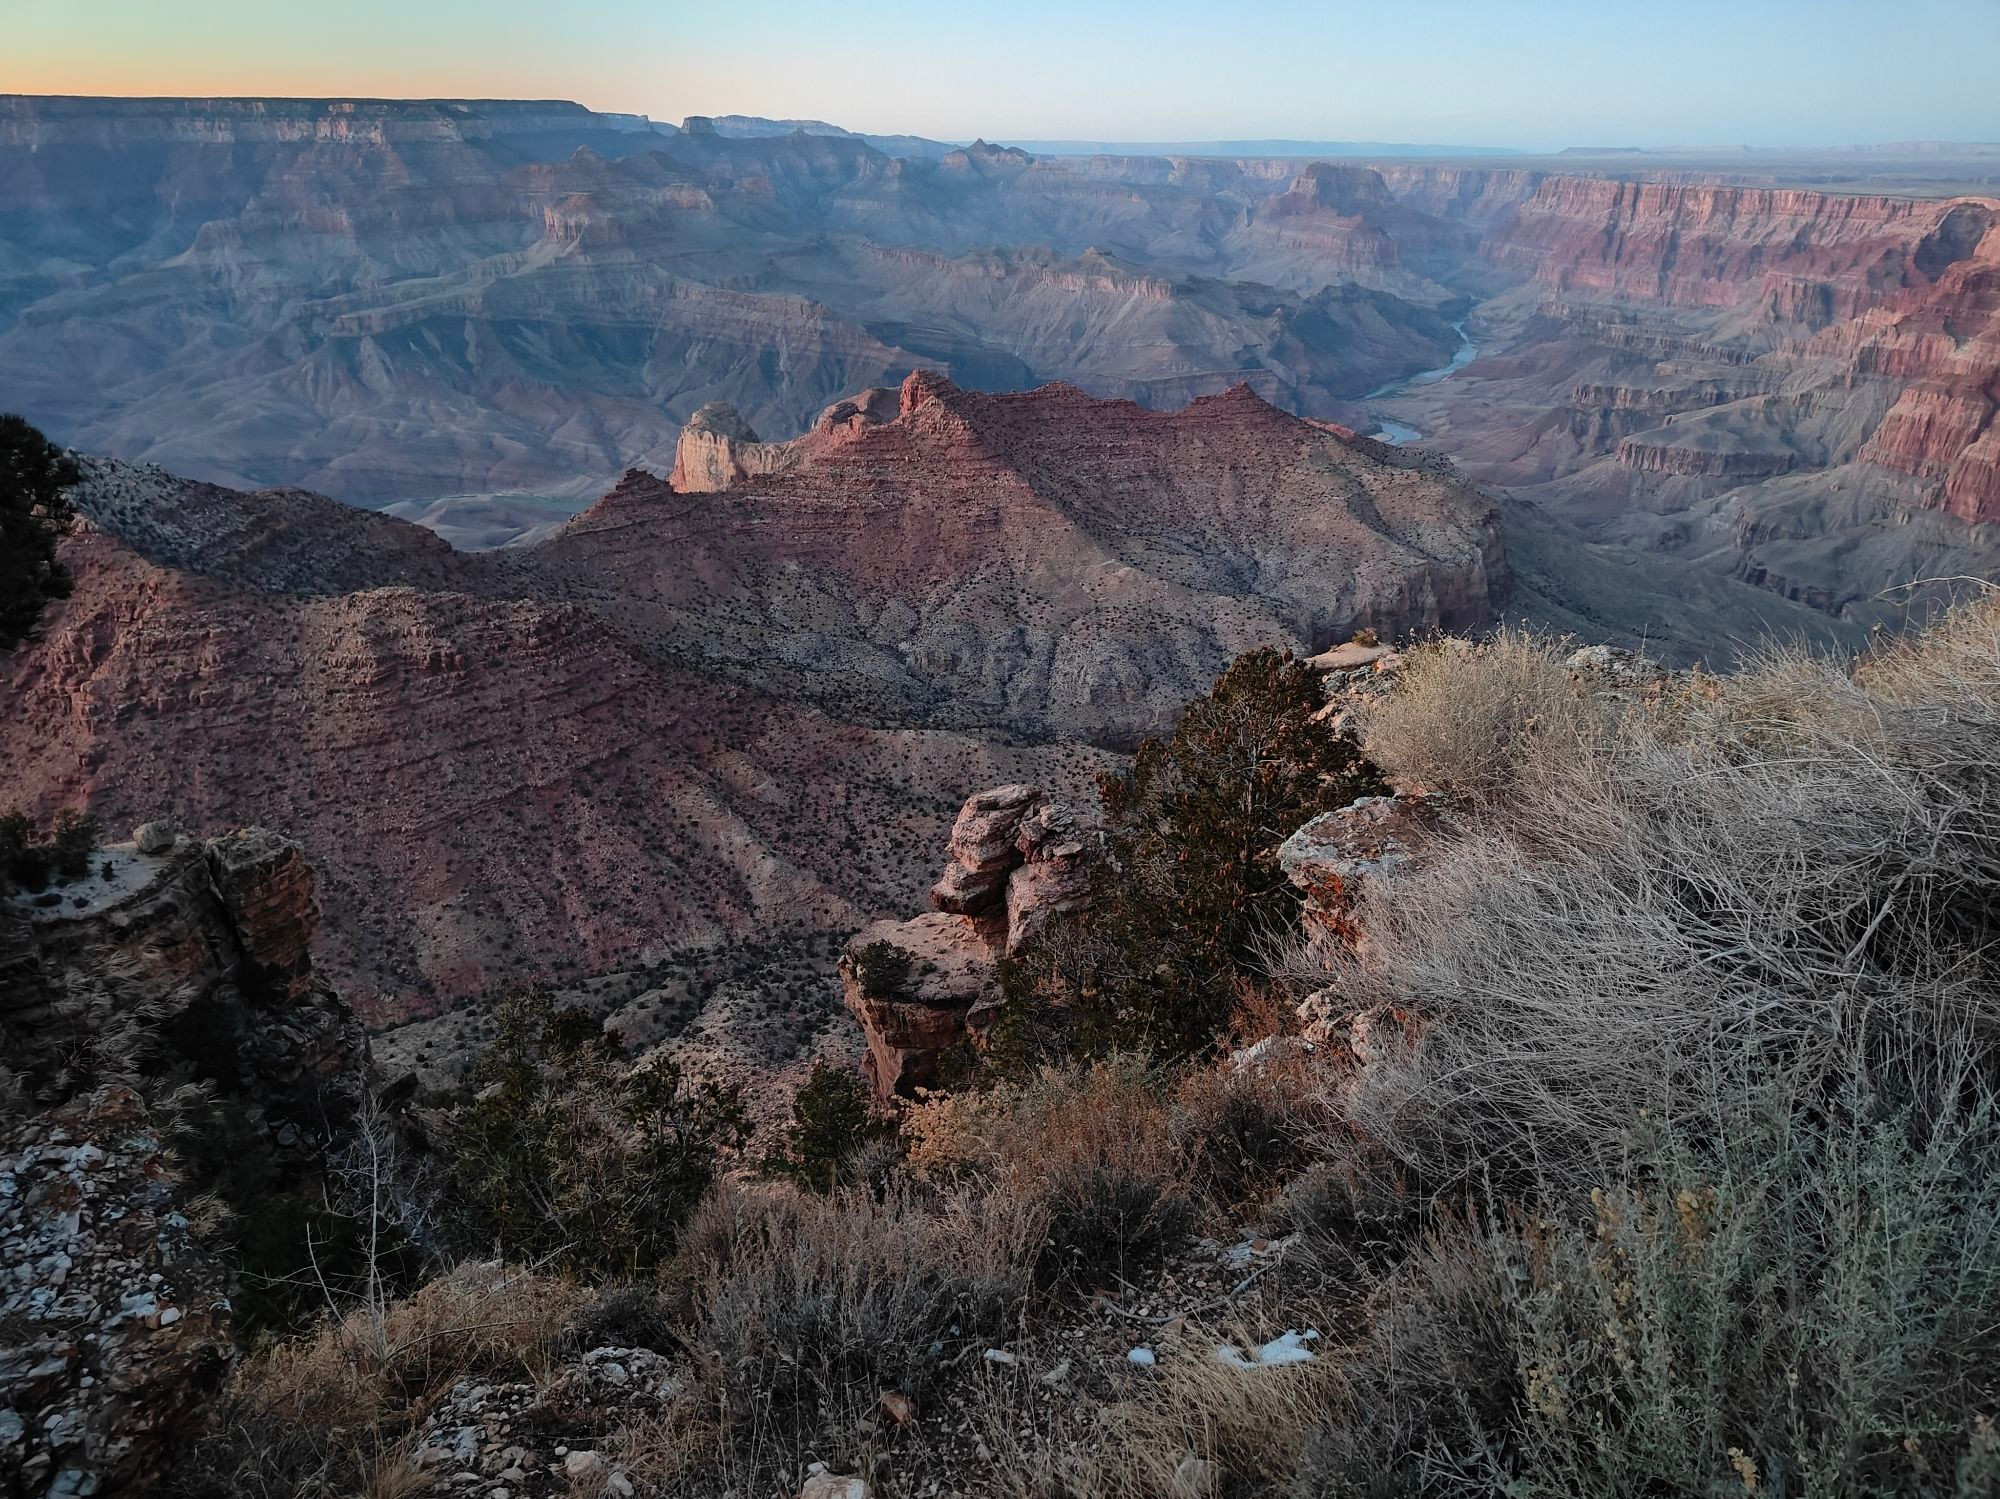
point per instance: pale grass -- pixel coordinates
(1791, 858)
(1478, 721)
(1193, 1426)
(1017, 1135)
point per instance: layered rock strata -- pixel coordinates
(207, 945)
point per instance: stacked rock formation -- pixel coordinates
(1017, 858)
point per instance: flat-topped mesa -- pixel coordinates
(1017, 858)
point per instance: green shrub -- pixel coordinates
(1793, 1294)
(883, 969)
(1192, 893)
(72, 841)
(831, 1128)
(563, 1155)
(34, 514)
(28, 861)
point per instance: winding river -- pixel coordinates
(1401, 432)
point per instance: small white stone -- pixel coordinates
(1143, 1357)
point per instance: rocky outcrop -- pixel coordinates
(919, 988)
(1020, 856)
(717, 448)
(508, 733)
(207, 945)
(113, 1320)
(1017, 858)
(169, 961)
(1332, 857)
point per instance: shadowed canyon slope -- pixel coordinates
(691, 716)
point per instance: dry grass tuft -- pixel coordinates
(1194, 1428)
(336, 1411)
(1481, 721)
(1241, 1131)
(805, 1308)
(1089, 1148)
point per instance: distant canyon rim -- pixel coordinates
(1762, 369)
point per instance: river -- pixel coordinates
(1401, 432)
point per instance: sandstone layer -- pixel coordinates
(1790, 387)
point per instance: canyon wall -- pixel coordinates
(1790, 386)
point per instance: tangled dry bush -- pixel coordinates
(1089, 1146)
(1200, 1427)
(1479, 721)
(1791, 860)
(804, 1308)
(1240, 1132)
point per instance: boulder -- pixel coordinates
(267, 889)
(210, 945)
(821, 1484)
(1330, 857)
(940, 986)
(154, 837)
(1039, 892)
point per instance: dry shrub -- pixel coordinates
(1801, 1295)
(1194, 1427)
(1354, 1210)
(1480, 721)
(1240, 1130)
(1088, 1146)
(334, 1412)
(1788, 860)
(807, 1307)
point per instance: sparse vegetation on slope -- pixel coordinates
(33, 514)
(1678, 1172)
(1192, 890)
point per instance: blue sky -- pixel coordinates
(1475, 72)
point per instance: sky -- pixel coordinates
(1533, 74)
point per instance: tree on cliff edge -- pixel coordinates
(1168, 946)
(33, 514)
